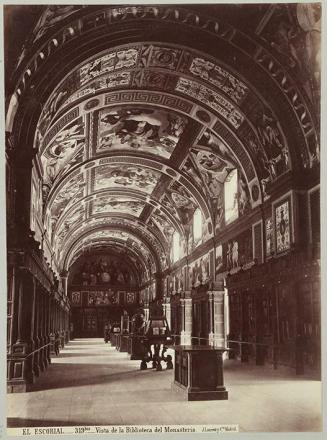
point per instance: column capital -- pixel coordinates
(218, 295)
(187, 294)
(217, 285)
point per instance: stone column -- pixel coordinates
(186, 334)
(168, 313)
(211, 318)
(219, 322)
(66, 326)
(62, 326)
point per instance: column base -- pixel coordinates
(18, 387)
(20, 369)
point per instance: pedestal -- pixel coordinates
(199, 372)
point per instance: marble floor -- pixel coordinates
(90, 383)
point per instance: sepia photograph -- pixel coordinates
(162, 218)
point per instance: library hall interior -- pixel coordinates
(163, 216)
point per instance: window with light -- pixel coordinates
(197, 225)
(176, 246)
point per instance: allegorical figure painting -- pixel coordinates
(282, 221)
(66, 150)
(126, 176)
(102, 269)
(141, 129)
(109, 204)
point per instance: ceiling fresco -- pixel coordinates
(165, 227)
(65, 151)
(125, 176)
(139, 63)
(143, 129)
(129, 240)
(140, 135)
(110, 204)
(72, 190)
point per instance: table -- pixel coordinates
(199, 372)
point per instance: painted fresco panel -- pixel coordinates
(139, 128)
(230, 197)
(283, 226)
(68, 194)
(219, 262)
(76, 298)
(66, 150)
(269, 237)
(111, 204)
(199, 271)
(70, 222)
(126, 176)
(102, 298)
(235, 253)
(163, 224)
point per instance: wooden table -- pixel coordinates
(199, 372)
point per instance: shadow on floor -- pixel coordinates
(244, 371)
(68, 355)
(76, 375)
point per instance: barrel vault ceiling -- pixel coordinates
(137, 136)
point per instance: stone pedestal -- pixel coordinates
(199, 373)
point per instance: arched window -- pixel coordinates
(176, 246)
(197, 225)
(230, 196)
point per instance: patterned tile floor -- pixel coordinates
(90, 383)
